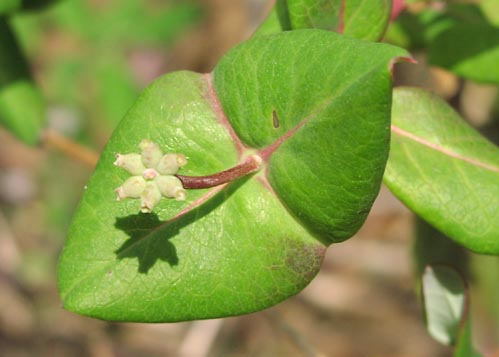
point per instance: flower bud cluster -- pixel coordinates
(152, 176)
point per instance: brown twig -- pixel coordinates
(53, 139)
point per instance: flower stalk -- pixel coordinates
(155, 175)
(248, 166)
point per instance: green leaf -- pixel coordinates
(277, 20)
(419, 30)
(327, 172)
(444, 170)
(241, 248)
(238, 252)
(360, 19)
(469, 50)
(22, 108)
(415, 31)
(433, 247)
(446, 304)
(367, 20)
(322, 14)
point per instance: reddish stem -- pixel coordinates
(250, 165)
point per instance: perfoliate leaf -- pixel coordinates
(330, 142)
(446, 305)
(314, 105)
(360, 19)
(444, 170)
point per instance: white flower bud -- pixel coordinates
(151, 153)
(170, 163)
(131, 188)
(150, 197)
(132, 163)
(171, 187)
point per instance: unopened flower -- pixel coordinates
(132, 163)
(153, 175)
(171, 187)
(169, 164)
(132, 188)
(151, 153)
(150, 197)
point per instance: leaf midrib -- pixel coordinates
(442, 150)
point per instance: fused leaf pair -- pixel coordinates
(261, 239)
(153, 176)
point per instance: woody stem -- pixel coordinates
(70, 148)
(248, 166)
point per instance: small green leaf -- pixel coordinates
(243, 247)
(22, 108)
(444, 294)
(469, 50)
(360, 19)
(444, 170)
(420, 30)
(446, 304)
(366, 20)
(321, 14)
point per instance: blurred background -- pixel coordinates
(91, 59)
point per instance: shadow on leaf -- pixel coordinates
(138, 227)
(150, 237)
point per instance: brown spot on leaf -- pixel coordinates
(275, 119)
(305, 259)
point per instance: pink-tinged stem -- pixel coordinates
(341, 23)
(248, 166)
